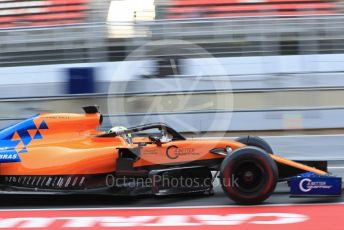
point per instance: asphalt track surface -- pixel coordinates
(294, 147)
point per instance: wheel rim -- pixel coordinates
(248, 176)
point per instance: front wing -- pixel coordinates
(313, 185)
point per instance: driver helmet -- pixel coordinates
(119, 131)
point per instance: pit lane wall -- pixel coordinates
(286, 96)
(243, 73)
(252, 110)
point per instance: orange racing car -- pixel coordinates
(65, 153)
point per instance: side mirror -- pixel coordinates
(155, 140)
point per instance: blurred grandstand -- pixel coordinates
(74, 31)
(232, 8)
(258, 42)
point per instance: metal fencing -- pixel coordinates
(222, 37)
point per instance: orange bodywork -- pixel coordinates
(294, 164)
(68, 144)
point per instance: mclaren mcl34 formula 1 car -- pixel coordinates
(65, 153)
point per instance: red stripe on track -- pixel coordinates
(194, 218)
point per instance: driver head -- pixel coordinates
(119, 131)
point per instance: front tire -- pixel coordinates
(256, 142)
(248, 175)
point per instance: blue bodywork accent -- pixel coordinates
(311, 184)
(23, 150)
(38, 135)
(43, 125)
(8, 152)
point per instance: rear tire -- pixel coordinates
(256, 142)
(248, 175)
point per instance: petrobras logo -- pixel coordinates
(307, 185)
(9, 156)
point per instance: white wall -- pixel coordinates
(272, 64)
(122, 71)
